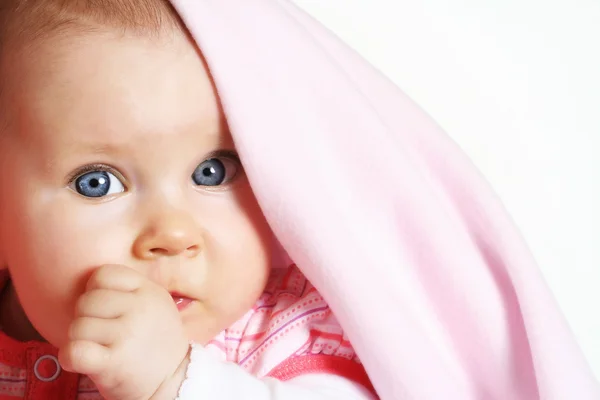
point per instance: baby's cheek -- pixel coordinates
(48, 299)
(59, 253)
(245, 281)
(87, 234)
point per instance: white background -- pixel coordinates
(517, 84)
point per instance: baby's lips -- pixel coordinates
(182, 302)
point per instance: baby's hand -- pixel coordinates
(127, 336)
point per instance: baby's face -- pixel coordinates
(119, 154)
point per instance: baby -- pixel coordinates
(128, 228)
(155, 164)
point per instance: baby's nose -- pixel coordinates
(172, 234)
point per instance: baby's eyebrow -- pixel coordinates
(78, 148)
(101, 148)
(54, 160)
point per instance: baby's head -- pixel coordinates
(114, 150)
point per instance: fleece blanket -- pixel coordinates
(384, 214)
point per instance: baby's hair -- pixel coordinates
(24, 22)
(31, 19)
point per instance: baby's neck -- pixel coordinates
(13, 320)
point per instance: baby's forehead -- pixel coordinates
(35, 34)
(113, 84)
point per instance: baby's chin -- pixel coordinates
(56, 339)
(53, 330)
(201, 326)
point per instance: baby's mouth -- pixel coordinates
(181, 301)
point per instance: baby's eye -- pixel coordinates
(98, 184)
(215, 171)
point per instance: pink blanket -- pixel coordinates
(385, 215)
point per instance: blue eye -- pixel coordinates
(98, 184)
(215, 172)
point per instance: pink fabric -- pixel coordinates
(394, 226)
(290, 320)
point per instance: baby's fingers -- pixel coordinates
(103, 303)
(116, 277)
(102, 331)
(84, 357)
